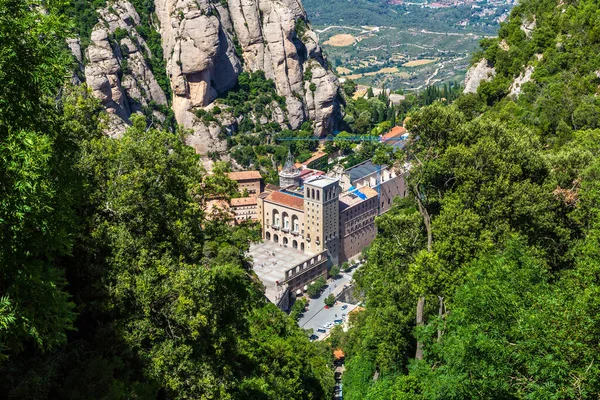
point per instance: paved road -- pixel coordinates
(317, 315)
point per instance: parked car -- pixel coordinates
(338, 321)
(328, 325)
(343, 315)
(313, 338)
(344, 306)
(321, 330)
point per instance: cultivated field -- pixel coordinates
(418, 63)
(407, 59)
(341, 40)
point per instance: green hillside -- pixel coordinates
(498, 246)
(389, 35)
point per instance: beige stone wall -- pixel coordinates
(394, 187)
(305, 273)
(321, 205)
(244, 213)
(253, 186)
(279, 233)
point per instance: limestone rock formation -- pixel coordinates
(208, 43)
(528, 26)
(523, 78)
(478, 73)
(116, 69)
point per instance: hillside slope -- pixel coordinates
(484, 285)
(546, 61)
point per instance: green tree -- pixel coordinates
(334, 271)
(36, 216)
(330, 300)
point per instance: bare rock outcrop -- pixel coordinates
(116, 69)
(528, 26)
(478, 73)
(208, 43)
(523, 78)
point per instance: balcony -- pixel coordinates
(308, 239)
(276, 227)
(295, 233)
(286, 230)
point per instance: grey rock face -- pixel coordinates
(523, 78)
(117, 73)
(207, 44)
(202, 62)
(478, 73)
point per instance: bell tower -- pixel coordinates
(289, 175)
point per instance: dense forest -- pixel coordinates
(484, 283)
(115, 282)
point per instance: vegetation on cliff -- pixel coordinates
(483, 284)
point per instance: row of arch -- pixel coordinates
(285, 241)
(316, 194)
(285, 221)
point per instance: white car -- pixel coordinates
(329, 325)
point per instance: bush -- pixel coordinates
(345, 267)
(334, 271)
(298, 308)
(315, 289)
(330, 300)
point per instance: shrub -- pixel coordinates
(334, 271)
(330, 300)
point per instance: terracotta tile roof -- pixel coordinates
(286, 200)
(244, 175)
(243, 201)
(395, 132)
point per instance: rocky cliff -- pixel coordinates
(478, 73)
(207, 44)
(116, 69)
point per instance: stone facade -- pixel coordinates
(357, 222)
(250, 181)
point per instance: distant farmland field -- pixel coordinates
(341, 40)
(418, 63)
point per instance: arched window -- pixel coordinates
(295, 244)
(285, 241)
(276, 238)
(302, 246)
(318, 195)
(276, 218)
(268, 235)
(313, 193)
(295, 223)
(286, 220)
